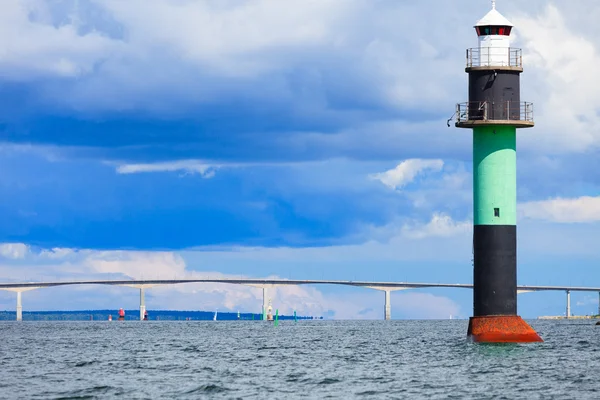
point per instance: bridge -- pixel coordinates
(265, 284)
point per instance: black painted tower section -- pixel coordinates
(495, 270)
(500, 89)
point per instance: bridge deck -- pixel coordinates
(281, 282)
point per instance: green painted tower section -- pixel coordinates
(494, 175)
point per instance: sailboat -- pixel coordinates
(238, 315)
(215, 316)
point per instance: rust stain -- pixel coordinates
(502, 329)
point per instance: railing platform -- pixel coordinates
(494, 58)
(476, 113)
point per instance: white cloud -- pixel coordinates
(588, 301)
(406, 172)
(384, 46)
(416, 304)
(184, 48)
(133, 264)
(187, 166)
(31, 46)
(13, 250)
(562, 79)
(582, 209)
(441, 225)
(218, 34)
(405, 232)
(57, 253)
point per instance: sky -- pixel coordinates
(298, 139)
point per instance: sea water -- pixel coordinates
(305, 359)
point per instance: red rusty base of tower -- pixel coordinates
(501, 329)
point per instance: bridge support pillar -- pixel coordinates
(264, 304)
(568, 313)
(19, 307)
(142, 303)
(387, 310)
(265, 296)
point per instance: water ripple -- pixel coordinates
(308, 359)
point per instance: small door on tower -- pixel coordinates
(511, 103)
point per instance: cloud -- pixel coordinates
(282, 73)
(417, 304)
(407, 231)
(406, 172)
(32, 47)
(583, 209)
(273, 81)
(588, 301)
(188, 166)
(440, 226)
(257, 67)
(189, 52)
(13, 250)
(559, 61)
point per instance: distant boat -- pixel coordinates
(215, 316)
(238, 314)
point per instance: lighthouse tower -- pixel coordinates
(494, 112)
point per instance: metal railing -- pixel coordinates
(494, 57)
(494, 111)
